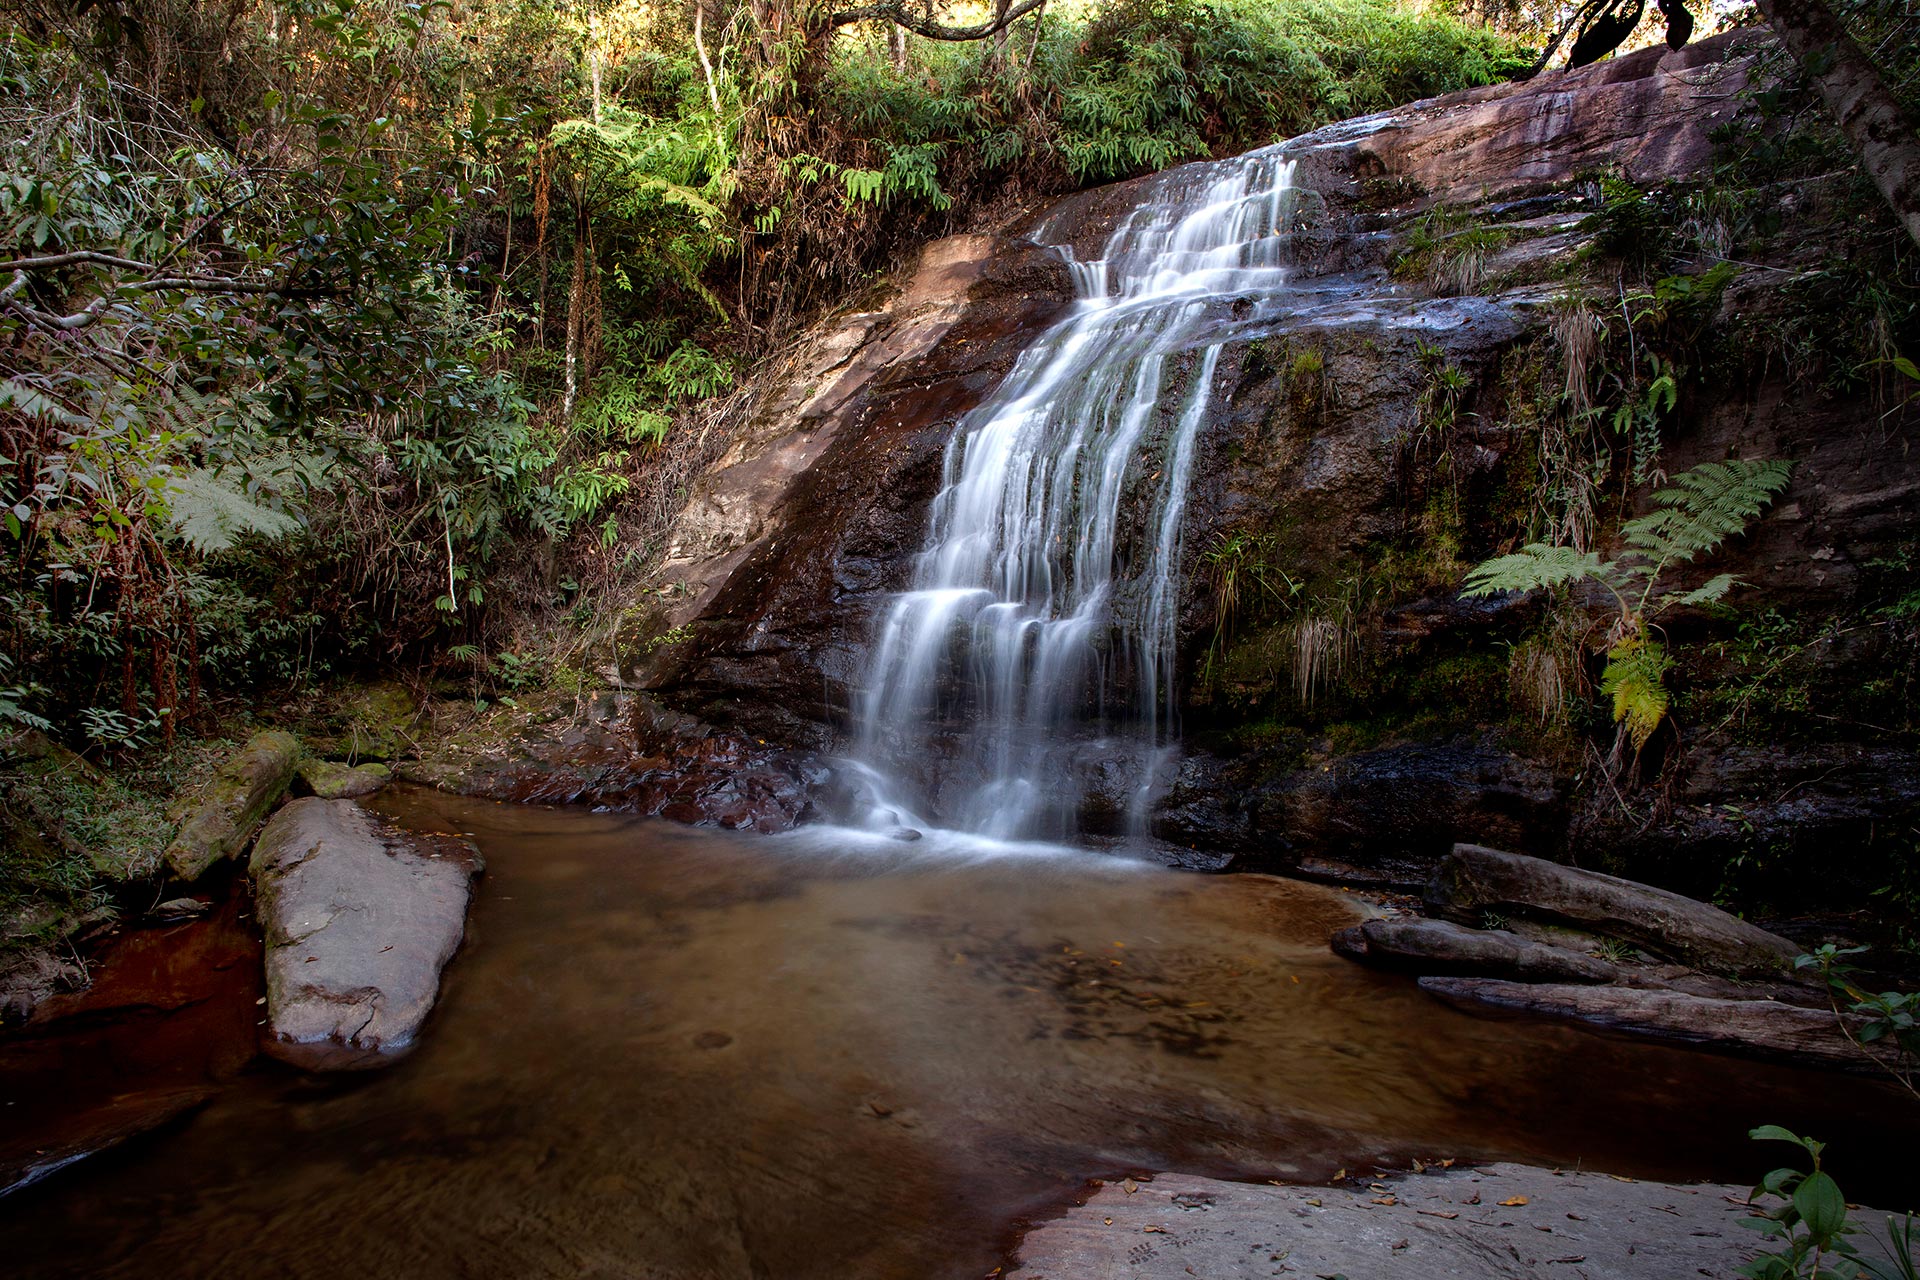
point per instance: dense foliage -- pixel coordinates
(319, 319)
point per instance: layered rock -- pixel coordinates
(1440, 947)
(1765, 1029)
(359, 919)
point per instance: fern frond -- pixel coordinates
(1706, 505)
(210, 516)
(1708, 592)
(1538, 564)
(1636, 679)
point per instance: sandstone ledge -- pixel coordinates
(1442, 1225)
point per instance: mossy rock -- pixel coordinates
(372, 724)
(219, 821)
(331, 780)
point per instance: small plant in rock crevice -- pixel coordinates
(1704, 507)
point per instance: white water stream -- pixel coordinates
(1039, 632)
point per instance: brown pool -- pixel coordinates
(668, 1052)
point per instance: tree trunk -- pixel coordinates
(576, 314)
(1870, 117)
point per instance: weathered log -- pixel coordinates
(1474, 880)
(1440, 947)
(1763, 1029)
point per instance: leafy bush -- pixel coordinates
(1811, 1225)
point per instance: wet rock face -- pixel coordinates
(791, 541)
(359, 921)
(1323, 446)
(1382, 817)
(625, 751)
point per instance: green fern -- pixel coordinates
(210, 516)
(1635, 679)
(1702, 509)
(1706, 506)
(1538, 564)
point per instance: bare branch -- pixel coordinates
(48, 261)
(895, 11)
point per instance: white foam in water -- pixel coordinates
(1036, 594)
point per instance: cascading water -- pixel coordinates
(1039, 631)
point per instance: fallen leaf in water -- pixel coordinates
(1157, 1231)
(1389, 1200)
(1401, 1245)
(1376, 1186)
(1617, 1178)
(1341, 1176)
(1131, 1186)
(1296, 979)
(1473, 1199)
(1108, 1221)
(1447, 1163)
(1576, 1257)
(1435, 1213)
(1514, 1203)
(1418, 1167)
(1314, 1201)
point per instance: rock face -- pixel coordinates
(1374, 817)
(1474, 880)
(1435, 946)
(623, 751)
(1499, 1222)
(222, 817)
(1381, 432)
(359, 921)
(814, 512)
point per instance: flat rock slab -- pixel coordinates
(360, 918)
(1473, 880)
(1501, 1222)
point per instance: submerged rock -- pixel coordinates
(360, 919)
(1436, 946)
(223, 815)
(1474, 880)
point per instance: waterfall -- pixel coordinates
(1039, 631)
